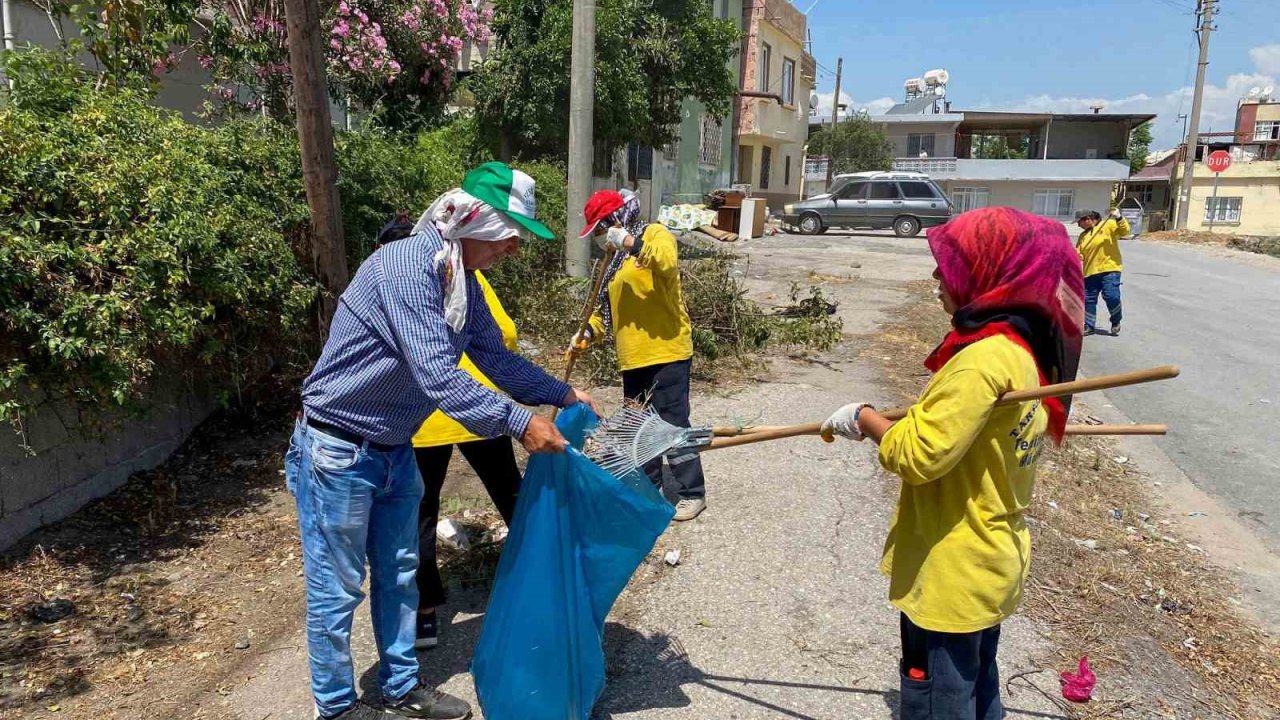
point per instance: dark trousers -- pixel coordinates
(961, 680)
(666, 388)
(494, 460)
(1106, 284)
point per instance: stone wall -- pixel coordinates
(75, 456)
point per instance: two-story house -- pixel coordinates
(1051, 164)
(777, 77)
(1248, 193)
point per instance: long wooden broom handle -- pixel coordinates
(588, 309)
(778, 432)
(732, 437)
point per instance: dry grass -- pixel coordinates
(167, 575)
(1108, 581)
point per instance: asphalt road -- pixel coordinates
(1216, 314)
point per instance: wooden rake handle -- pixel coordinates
(588, 308)
(1101, 382)
(733, 436)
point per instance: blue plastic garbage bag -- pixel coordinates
(577, 537)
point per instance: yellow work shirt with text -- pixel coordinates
(958, 549)
(440, 429)
(650, 323)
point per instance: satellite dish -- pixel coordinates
(1255, 91)
(813, 100)
(1269, 90)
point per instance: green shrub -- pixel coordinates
(130, 237)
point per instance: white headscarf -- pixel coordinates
(457, 214)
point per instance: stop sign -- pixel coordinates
(1218, 161)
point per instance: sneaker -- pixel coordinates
(1090, 331)
(428, 631)
(690, 508)
(422, 702)
(1115, 330)
(359, 711)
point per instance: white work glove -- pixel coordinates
(844, 422)
(580, 341)
(615, 238)
(1115, 213)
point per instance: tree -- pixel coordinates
(1139, 147)
(650, 55)
(393, 56)
(854, 145)
(1000, 147)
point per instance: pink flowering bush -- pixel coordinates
(394, 56)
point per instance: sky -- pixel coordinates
(1134, 56)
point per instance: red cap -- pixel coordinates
(601, 205)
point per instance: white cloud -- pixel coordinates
(1266, 59)
(874, 107)
(1217, 112)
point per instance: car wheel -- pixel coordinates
(811, 224)
(906, 226)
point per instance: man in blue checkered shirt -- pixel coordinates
(391, 360)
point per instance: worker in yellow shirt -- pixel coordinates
(958, 550)
(493, 459)
(1099, 248)
(642, 306)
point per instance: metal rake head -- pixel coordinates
(623, 442)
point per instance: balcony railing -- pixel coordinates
(928, 166)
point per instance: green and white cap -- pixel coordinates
(508, 191)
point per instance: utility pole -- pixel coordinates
(582, 99)
(1205, 11)
(315, 139)
(835, 112)
(6, 19)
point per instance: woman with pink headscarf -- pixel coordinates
(958, 549)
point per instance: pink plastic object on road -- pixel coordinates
(1078, 686)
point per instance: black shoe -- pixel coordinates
(359, 711)
(428, 631)
(422, 702)
(1115, 330)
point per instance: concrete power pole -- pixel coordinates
(315, 138)
(1204, 18)
(582, 98)
(835, 113)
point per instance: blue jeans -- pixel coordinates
(356, 502)
(1108, 284)
(961, 681)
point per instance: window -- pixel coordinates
(786, 172)
(709, 144)
(1142, 192)
(745, 171)
(671, 151)
(762, 67)
(1054, 202)
(919, 143)
(639, 162)
(766, 160)
(855, 191)
(970, 198)
(884, 191)
(788, 90)
(917, 189)
(1222, 209)
(1266, 130)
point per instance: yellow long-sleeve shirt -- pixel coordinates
(650, 323)
(440, 429)
(958, 549)
(1099, 246)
